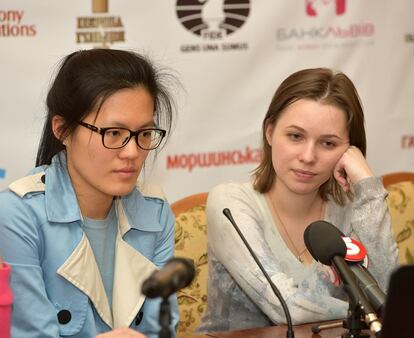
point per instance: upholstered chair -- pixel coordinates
(400, 186)
(191, 242)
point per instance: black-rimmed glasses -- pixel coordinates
(116, 138)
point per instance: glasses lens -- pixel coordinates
(116, 138)
(150, 139)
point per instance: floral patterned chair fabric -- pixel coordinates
(400, 200)
(191, 242)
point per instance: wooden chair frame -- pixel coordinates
(396, 177)
(188, 202)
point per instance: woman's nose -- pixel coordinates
(131, 150)
(308, 153)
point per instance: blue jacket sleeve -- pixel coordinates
(163, 252)
(21, 246)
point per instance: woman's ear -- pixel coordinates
(269, 133)
(57, 125)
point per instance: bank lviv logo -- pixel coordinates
(326, 33)
(313, 7)
(100, 29)
(212, 19)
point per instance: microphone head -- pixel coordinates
(177, 273)
(323, 241)
(186, 274)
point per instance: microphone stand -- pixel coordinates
(165, 319)
(289, 333)
(319, 327)
(354, 322)
(359, 307)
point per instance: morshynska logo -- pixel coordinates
(212, 19)
(313, 6)
(101, 29)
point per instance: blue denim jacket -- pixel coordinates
(55, 278)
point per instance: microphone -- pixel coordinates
(326, 245)
(289, 333)
(176, 274)
(355, 256)
(369, 286)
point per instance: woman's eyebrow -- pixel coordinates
(123, 125)
(293, 126)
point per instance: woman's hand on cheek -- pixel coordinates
(351, 168)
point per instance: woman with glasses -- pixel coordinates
(80, 235)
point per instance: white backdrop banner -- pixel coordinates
(230, 56)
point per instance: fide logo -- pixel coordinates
(212, 19)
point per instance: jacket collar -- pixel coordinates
(62, 205)
(60, 198)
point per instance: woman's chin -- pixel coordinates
(122, 190)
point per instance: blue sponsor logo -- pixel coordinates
(2, 173)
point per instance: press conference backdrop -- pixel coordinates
(229, 55)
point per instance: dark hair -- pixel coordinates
(87, 78)
(327, 87)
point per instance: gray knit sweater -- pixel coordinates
(238, 294)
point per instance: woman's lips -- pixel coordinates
(304, 173)
(126, 172)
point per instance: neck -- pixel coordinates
(299, 206)
(95, 208)
(92, 204)
(293, 213)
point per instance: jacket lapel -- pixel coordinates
(131, 270)
(82, 271)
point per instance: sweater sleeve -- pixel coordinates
(306, 304)
(371, 222)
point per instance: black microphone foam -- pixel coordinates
(324, 242)
(365, 280)
(176, 274)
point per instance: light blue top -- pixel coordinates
(55, 279)
(102, 235)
